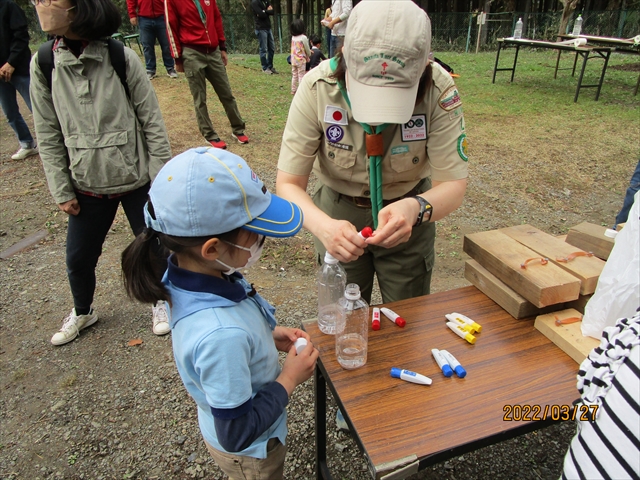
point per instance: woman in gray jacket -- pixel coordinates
(100, 147)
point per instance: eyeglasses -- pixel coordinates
(44, 3)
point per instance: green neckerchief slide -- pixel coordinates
(375, 151)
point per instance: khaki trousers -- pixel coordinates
(403, 271)
(239, 467)
(199, 67)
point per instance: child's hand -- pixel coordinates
(298, 367)
(285, 337)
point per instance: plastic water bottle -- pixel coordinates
(517, 33)
(577, 26)
(353, 332)
(331, 283)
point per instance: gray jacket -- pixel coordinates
(90, 135)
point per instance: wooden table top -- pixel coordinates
(398, 422)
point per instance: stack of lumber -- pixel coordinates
(496, 268)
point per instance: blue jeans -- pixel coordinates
(334, 44)
(634, 186)
(150, 29)
(9, 102)
(267, 48)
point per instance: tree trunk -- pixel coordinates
(569, 7)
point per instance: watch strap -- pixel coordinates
(426, 209)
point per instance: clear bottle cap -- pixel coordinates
(352, 292)
(330, 259)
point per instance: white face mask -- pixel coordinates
(255, 250)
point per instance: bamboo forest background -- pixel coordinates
(452, 29)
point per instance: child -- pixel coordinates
(300, 53)
(100, 146)
(213, 212)
(316, 54)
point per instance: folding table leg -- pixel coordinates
(320, 388)
(585, 56)
(495, 67)
(555, 74)
(515, 61)
(604, 70)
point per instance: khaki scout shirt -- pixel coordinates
(321, 134)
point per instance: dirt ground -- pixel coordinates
(97, 408)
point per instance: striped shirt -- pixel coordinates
(609, 447)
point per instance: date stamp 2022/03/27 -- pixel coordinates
(529, 413)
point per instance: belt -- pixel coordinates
(365, 202)
(201, 48)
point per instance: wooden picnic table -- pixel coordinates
(518, 381)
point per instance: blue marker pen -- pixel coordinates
(455, 364)
(442, 362)
(409, 376)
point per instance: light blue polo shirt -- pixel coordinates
(223, 347)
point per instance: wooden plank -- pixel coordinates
(542, 285)
(567, 337)
(587, 269)
(579, 304)
(516, 305)
(591, 238)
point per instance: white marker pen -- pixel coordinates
(463, 319)
(375, 320)
(394, 317)
(442, 362)
(300, 344)
(409, 376)
(455, 364)
(458, 330)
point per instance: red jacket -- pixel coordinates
(145, 8)
(185, 27)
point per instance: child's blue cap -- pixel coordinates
(209, 191)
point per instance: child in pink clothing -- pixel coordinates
(300, 53)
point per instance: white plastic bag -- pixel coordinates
(617, 294)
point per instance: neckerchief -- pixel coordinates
(203, 16)
(375, 151)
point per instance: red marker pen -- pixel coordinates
(366, 232)
(394, 317)
(375, 320)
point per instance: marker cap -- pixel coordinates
(395, 372)
(446, 370)
(401, 322)
(461, 372)
(375, 325)
(470, 338)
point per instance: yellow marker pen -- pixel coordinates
(462, 320)
(458, 330)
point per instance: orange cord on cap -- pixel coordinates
(573, 255)
(564, 321)
(543, 261)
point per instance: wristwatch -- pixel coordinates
(424, 215)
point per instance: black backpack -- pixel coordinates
(116, 52)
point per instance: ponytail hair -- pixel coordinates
(140, 260)
(140, 275)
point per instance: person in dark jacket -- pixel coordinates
(14, 74)
(261, 11)
(316, 54)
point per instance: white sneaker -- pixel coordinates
(24, 153)
(161, 318)
(72, 326)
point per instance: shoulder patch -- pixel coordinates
(450, 99)
(462, 147)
